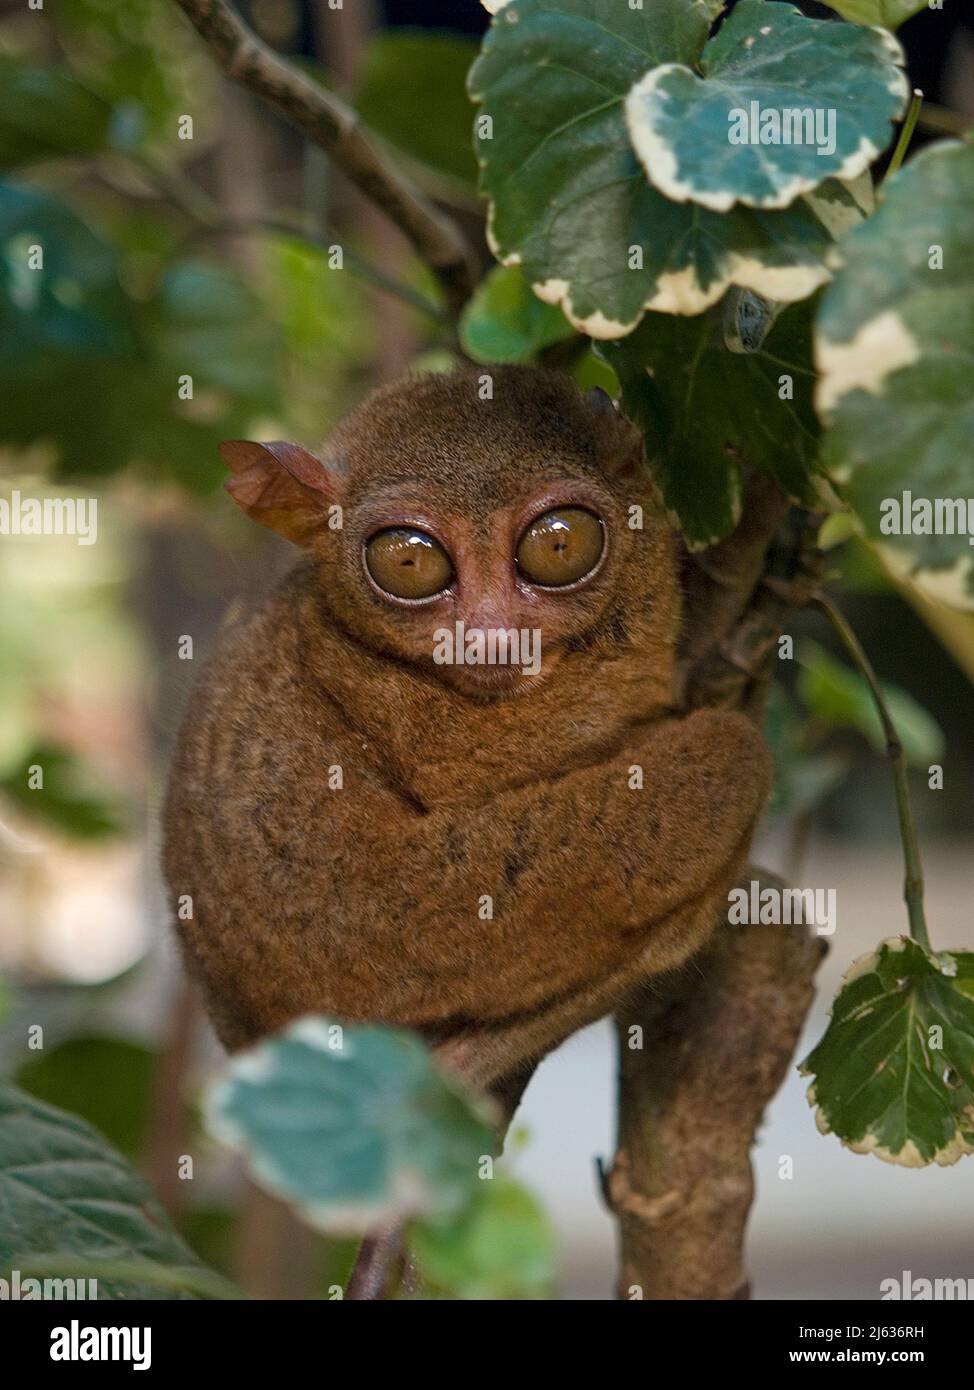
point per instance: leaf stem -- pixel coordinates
(913, 883)
(906, 133)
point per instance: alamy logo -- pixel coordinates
(23, 1289)
(490, 646)
(770, 906)
(49, 516)
(909, 1289)
(755, 124)
(907, 515)
(77, 1343)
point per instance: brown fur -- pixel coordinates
(362, 903)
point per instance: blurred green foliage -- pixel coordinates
(839, 698)
(502, 1246)
(75, 1075)
(413, 93)
(128, 337)
(66, 799)
(141, 59)
(358, 1128)
(808, 730)
(46, 113)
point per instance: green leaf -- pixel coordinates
(354, 1126)
(321, 311)
(592, 370)
(895, 351)
(501, 1246)
(73, 1074)
(45, 113)
(569, 199)
(894, 1073)
(64, 1192)
(176, 1281)
(842, 204)
(505, 322)
(784, 103)
(840, 698)
(413, 93)
(68, 801)
(706, 411)
(889, 13)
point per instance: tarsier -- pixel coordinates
(488, 856)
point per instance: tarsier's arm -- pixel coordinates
(593, 886)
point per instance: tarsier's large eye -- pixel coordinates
(560, 547)
(408, 563)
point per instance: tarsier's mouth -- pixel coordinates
(498, 682)
(489, 680)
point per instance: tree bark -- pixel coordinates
(715, 1048)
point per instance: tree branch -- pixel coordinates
(327, 121)
(715, 1048)
(716, 1040)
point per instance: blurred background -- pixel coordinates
(192, 297)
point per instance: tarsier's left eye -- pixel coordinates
(408, 563)
(560, 547)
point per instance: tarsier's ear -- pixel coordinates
(624, 449)
(280, 485)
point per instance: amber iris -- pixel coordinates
(560, 547)
(408, 563)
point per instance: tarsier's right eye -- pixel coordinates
(408, 563)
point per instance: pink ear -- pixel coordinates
(280, 485)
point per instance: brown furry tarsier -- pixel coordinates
(361, 895)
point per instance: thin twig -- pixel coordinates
(357, 264)
(169, 1122)
(327, 121)
(906, 133)
(373, 1265)
(913, 885)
